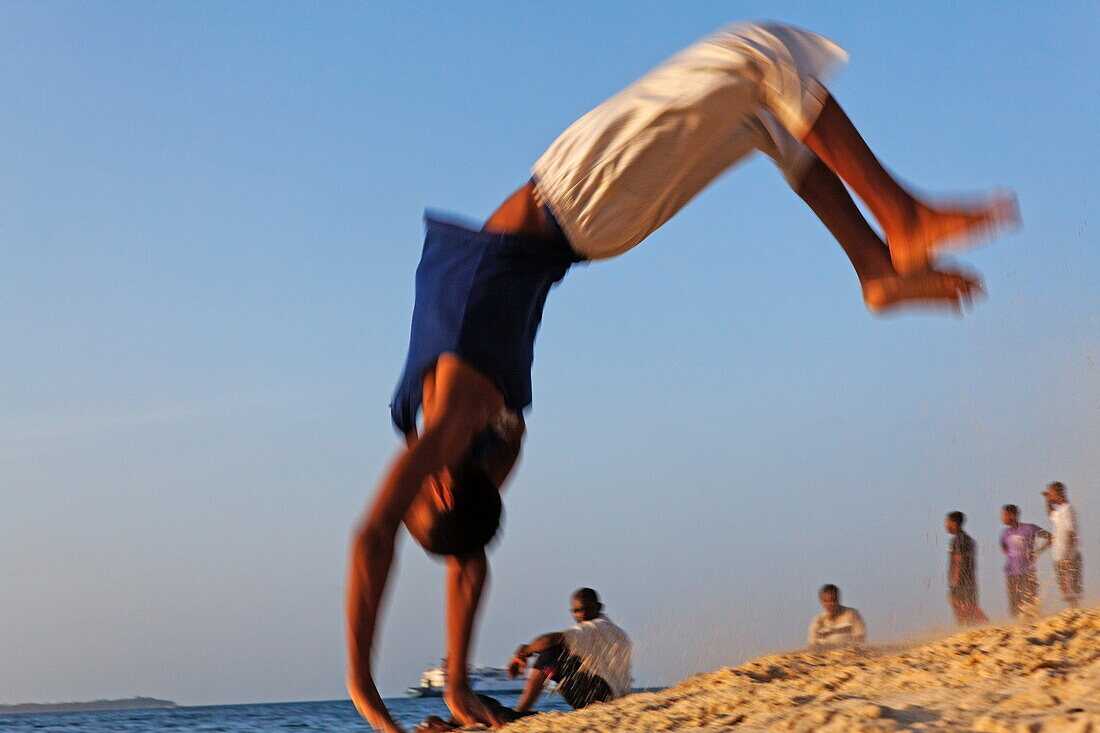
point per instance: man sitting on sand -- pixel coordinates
(607, 183)
(590, 661)
(962, 574)
(838, 625)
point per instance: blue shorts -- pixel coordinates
(479, 295)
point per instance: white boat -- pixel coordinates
(484, 680)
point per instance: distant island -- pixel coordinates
(130, 703)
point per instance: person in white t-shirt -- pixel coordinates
(1064, 545)
(838, 625)
(590, 662)
(608, 182)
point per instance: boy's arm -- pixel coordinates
(466, 578)
(1043, 535)
(370, 567)
(956, 568)
(459, 402)
(858, 629)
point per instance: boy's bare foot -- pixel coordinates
(913, 246)
(949, 289)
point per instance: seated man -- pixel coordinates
(590, 661)
(838, 625)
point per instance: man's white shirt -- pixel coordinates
(846, 628)
(1064, 519)
(604, 651)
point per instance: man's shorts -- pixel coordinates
(965, 593)
(577, 688)
(479, 295)
(1068, 572)
(1023, 595)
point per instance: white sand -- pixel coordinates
(1038, 677)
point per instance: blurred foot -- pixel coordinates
(469, 708)
(947, 289)
(913, 246)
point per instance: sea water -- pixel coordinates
(330, 715)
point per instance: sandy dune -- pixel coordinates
(1039, 677)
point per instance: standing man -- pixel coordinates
(1064, 546)
(1018, 546)
(838, 625)
(590, 661)
(608, 182)
(962, 576)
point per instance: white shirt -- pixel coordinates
(846, 628)
(604, 650)
(622, 170)
(1064, 518)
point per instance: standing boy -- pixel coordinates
(1064, 546)
(1018, 546)
(962, 576)
(602, 187)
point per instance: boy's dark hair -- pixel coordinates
(1011, 509)
(586, 595)
(829, 588)
(472, 522)
(957, 517)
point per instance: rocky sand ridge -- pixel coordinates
(1043, 676)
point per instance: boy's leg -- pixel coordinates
(519, 214)
(1068, 573)
(462, 401)
(913, 228)
(883, 288)
(1029, 603)
(957, 608)
(1013, 587)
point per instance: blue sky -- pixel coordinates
(210, 215)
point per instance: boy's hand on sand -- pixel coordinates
(468, 709)
(371, 707)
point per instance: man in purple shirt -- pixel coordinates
(1018, 545)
